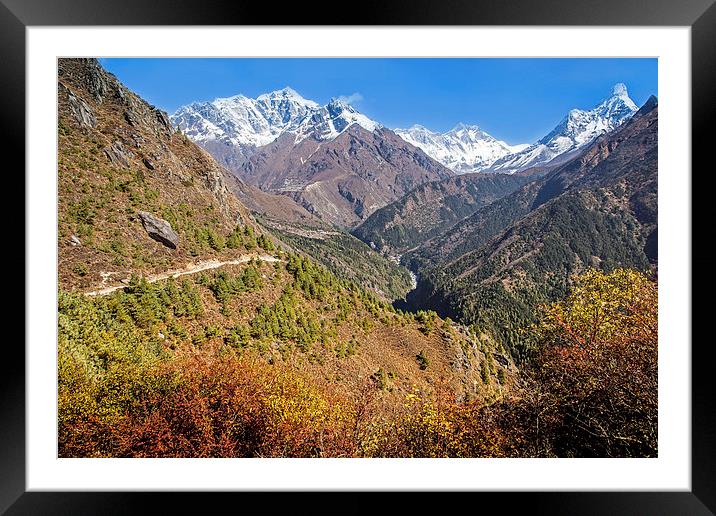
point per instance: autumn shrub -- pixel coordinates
(595, 371)
(121, 396)
(105, 368)
(436, 425)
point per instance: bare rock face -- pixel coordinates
(163, 119)
(159, 229)
(89, 74)
(79, 109)
(96, 80)
(117, 154)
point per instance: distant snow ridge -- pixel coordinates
(577, 129)
(242, 121)
(465, 148)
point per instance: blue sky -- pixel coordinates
(516, 100)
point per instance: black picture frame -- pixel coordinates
(700, 15)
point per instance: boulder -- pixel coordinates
(159, 229)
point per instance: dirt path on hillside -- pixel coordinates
(191, 269)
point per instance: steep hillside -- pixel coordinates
(431, 209)
(343, 180)
(599, 210)
(120, 158)
(597, 164)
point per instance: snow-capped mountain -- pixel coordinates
(465, 148)
(249, 123)
(331, 120)
(575, 130)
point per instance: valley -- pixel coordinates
(279, 277)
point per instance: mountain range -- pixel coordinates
(599, 209)
(233, 128)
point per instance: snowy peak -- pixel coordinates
(461, 127)
(285, 94)
(469, 133)
(574, 131)
(464, 148)
(244, 122)
(327, 122)
(620, 90)
(581, 127)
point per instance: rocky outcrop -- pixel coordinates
(79, 109)
(89, 74)
(159, 229)
(117, 154)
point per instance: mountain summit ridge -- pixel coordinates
(465, 148)
(254, 122)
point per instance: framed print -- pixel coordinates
(436, 249)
